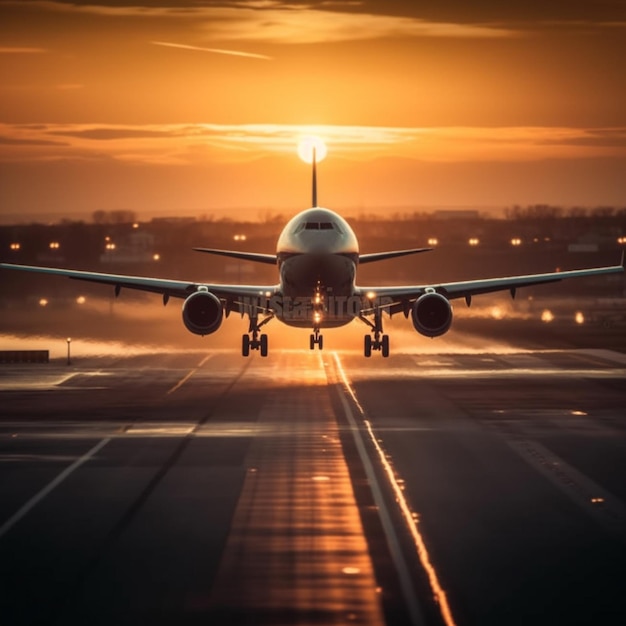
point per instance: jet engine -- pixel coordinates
(202, 313)
(432, 314)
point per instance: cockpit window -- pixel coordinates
(317, 226)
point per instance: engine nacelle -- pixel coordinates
(202, 313)
(432, 314)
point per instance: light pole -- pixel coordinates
(69, 341)
(239, 238)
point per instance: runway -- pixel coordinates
(314, 488)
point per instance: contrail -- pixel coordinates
(235, 53)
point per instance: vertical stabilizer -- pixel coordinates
(314, 200)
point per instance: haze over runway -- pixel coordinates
(314, 487)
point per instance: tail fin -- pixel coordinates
(314, 200)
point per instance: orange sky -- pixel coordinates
(196, 107)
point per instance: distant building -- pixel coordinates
(134, 248)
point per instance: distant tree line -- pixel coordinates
(120, 216)
(548, 212)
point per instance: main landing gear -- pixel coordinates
(253, 340)
(378, 341)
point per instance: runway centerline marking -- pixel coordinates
(422, 551)
(38, 497)
(187, 376)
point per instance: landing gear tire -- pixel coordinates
(312, 342)
(367, 349)
(384, 346)
(263, 345)
(245, 345)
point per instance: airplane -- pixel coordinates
(317, 256)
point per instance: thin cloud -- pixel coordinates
(234, 53)
(13, 141)
(112, 134)
(185, 144)
(303, 25)
(287, 23)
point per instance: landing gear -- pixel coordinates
(250, 343)
(378, 341)
(316, 339)
(253, 340)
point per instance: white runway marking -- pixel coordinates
(394, 545)
(187, 376)
(38, 497)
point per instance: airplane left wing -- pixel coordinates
(164, 286)
(393, 299)
(269, 259)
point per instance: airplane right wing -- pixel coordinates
(391, 254)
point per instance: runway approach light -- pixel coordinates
(547, 316)
(579, 317)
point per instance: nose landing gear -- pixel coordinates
(316, 339)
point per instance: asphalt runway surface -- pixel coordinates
(314, 488)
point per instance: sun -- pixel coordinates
(306, 146)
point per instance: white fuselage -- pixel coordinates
(318, 254)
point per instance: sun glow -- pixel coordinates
(307, 144)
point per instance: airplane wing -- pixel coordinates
(391, 254)
(164, 286)
(395, 299)
(257, 257)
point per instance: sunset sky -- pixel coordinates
(196, 107)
